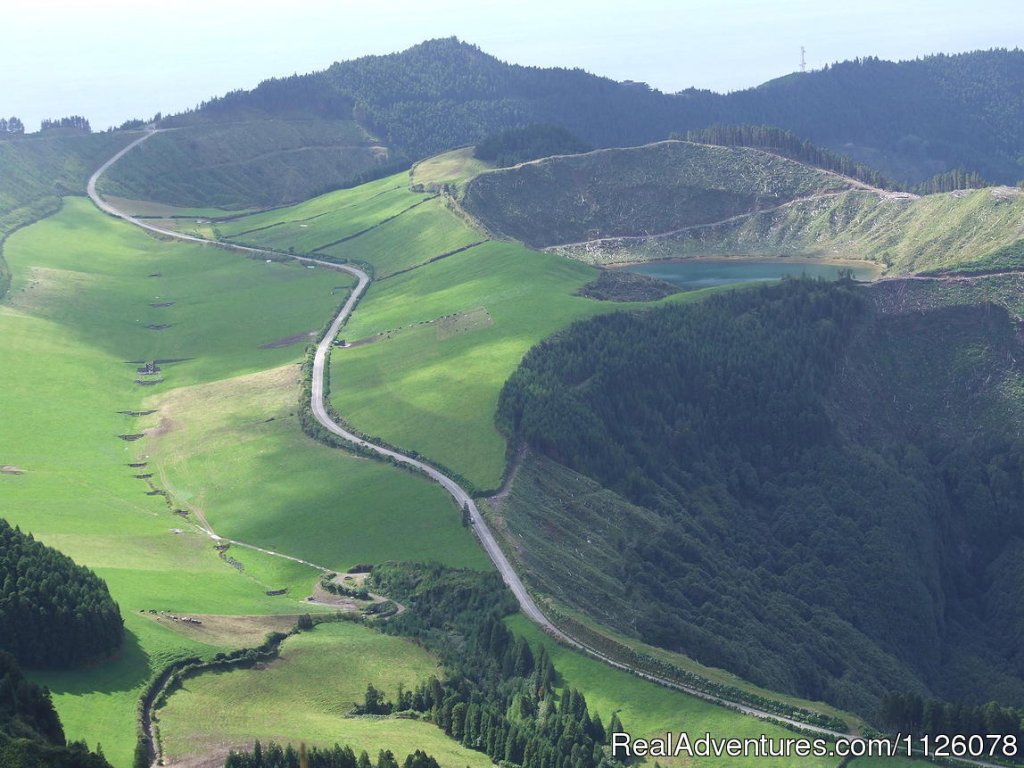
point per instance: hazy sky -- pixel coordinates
(112, 59)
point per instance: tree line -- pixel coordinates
(74, 122)
(53, 612)
(11, 126)
(912, 119)
(275, 756)
(519, 145)
(499, 696)
(910, 713)
(782, 142)
(951, 181)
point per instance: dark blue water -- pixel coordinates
(704, 273)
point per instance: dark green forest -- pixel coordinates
(31, 735)
(520, 145)
(276, 756)
(499, 694)
(911, 120)
(834, 495)
(53, 613)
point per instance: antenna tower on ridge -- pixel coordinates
(803, 59)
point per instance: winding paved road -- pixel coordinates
(461, 497)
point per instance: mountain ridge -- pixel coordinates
(445, 93)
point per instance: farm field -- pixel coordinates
(304, 696)
(234, 449)
(78, 310)
(323, 220)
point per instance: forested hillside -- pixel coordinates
(910, 120)
(803, 485)
(53, 613)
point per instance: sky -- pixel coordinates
(111, 60)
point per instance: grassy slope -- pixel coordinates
(221, 443)
(648, 710)
(77, 311)
(305, 695)
(323, 221)
(954, 231)
(639, 191)
(433, 387)
(247, 164)
(454, 168)
(418, 235)
(430, 387)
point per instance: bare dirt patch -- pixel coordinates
(289, 341)
(165, 426)
(225, 631)
(364, 342)
(463, 322)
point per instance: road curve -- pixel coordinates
(483, 532)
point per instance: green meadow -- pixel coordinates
(449, 335)
(234, 450)
(305, 695)
(76, 316)
(324, 220)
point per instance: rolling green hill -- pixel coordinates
(817, 487)
(677, 200)
(909, 119)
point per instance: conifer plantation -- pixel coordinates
(54, 613)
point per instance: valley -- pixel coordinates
(333, 411)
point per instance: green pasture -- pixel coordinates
(409, 240)
(445, 338)
(234, 450)
(305, 696)
(455, 167)
(453, 331)
(316, 223)
(98, 278)
(76, 313)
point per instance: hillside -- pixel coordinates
(248, 164)
(967, 231)
(909, 119)
(38, 170)
(629, 192)
(672, 200)
(812, 486)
